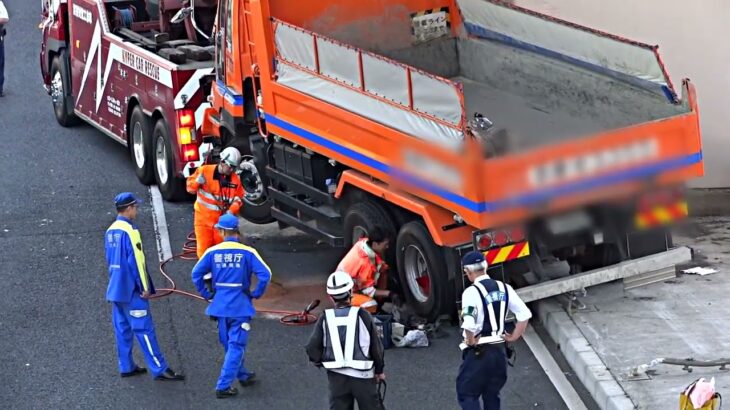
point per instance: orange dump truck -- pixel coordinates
(456, 125)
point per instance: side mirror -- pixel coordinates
(181, 15)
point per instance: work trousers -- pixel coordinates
(134, 319)
(2, 63)
(205, 235)
(344, 390)
(481, 376)
(233, 334)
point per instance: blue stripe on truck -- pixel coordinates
(493, 206)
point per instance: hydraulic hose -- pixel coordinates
(289, 318)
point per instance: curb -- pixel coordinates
(582, 358)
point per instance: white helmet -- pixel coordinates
(339, 283)
(231, 156)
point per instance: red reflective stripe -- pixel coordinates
(516, 250)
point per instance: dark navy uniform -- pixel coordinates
(483, 371)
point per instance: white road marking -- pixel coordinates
(552, 370)
(164, 251)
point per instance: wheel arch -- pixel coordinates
(354, 185)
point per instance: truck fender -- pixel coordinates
(65, 61)
(435, 217)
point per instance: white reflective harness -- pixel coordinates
(497, 327)
(344, 359)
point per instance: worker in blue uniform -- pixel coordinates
(484, 306)
(231, 265)
(129, 286)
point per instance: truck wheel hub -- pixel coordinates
(253, 186)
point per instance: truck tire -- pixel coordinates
(361, 217)
(171, 184)
(140, 145)
(422, 271)
(60, 87)
(256, 202)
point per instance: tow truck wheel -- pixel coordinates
(140, 145)
(59, 87)
(172, 185)
(422, 271)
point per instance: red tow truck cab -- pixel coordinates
(123, 67)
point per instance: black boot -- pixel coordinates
(137, 370)
(224, 394)
(170, 375)
(250, 381)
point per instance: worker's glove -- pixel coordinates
(201, 179)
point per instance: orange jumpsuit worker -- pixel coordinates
(219, 190)
(364, 262)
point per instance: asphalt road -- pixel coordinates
(56, 339)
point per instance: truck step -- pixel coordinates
(318, 212)
(309, 228)
(299, 187)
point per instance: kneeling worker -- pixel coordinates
(218, 191)
(345, 342)
(364, 262)
(483, 371)
(232, 264)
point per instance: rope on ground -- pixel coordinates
(189, 252)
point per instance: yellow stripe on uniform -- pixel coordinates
(136, 240)
(240, 246)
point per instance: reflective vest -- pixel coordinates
(345, 323)
(494, 301)
(364, 266)
(211, 197)
(137, 247)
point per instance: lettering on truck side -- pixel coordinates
(141, 65)
(82, 14)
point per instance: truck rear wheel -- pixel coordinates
(59, 89)
(422, 271)
(140, 145)
(361, 217)
(171, 184)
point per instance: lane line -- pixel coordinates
(552, 370)
(164, 250)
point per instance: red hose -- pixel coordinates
(189, 252)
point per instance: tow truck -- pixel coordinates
(132, 69)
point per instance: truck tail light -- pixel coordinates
(190, 152)
(186, 126)
(517, 234)
(500, 238)
(186, 118)
(484, 241)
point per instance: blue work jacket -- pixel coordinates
(232, 265)
(127, 268)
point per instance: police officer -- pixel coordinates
(232, 264)
(345, 342)
(483, 371)
(129, 285)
